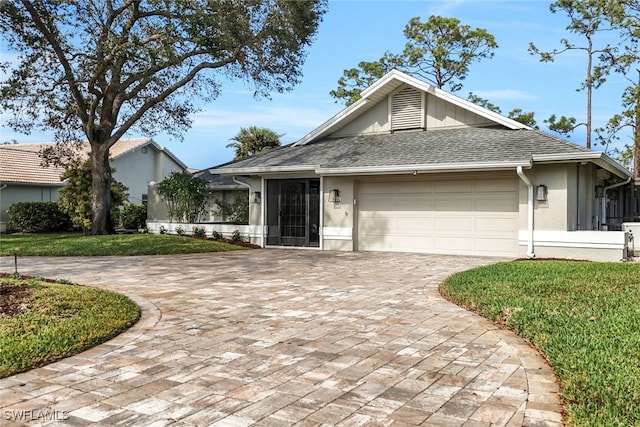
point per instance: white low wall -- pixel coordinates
(581, 244)
(249, 233)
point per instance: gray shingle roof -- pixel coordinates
(446, 146)
(217, 181)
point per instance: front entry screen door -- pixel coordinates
(293, 212)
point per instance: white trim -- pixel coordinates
(337, 233)
(321, 225)
(226, 229)
(263, 169)
(263, 211)
(597, 157)
(530, 211)
(443, 167)
(584, 239)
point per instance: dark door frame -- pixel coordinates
(292, 212)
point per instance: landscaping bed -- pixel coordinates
(42, 321)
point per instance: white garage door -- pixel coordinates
(464, 216)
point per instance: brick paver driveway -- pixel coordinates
(286, 337)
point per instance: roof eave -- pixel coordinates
(257, 170)
(423, 168)
(37, 184)
(595, 157)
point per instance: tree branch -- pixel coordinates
(60, 54)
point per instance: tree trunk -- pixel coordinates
(101, 189)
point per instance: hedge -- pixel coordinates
(37, 217)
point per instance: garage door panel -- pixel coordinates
(451, 243)
(453, 204)
(377, 188)
(468, 216)
(374, 202)
(494, 246)
(412, 244)
(407, 225)
(453, 187)
(495, 225)
(496, 204)
(453, 225)
(413, 203)
(495, 185)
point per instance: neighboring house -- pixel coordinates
(410, 167)
(23, 179)
(137, 162)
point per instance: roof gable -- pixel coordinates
(401, 84)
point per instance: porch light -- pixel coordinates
(256, 197)
(334, 196)
(541, 193)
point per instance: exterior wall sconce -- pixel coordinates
(334, 196)
(256, 197)
(541, 193)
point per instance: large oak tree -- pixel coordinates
(96, 69)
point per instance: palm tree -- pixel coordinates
(254, 140)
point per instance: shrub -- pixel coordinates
(133, 216)
(236, 212)
(185, 195)
(216, 235)
(235, 236)
(179, 230)
(199, 232)
(37, 217)
(76, 197)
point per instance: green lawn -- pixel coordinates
(77, 244)
(584, 316)
(41, 322)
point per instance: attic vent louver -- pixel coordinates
(406, 110)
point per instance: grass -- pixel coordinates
(51, 321)
(77, 244)
(585, 317)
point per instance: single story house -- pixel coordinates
(23, 179)
(410, 167)
(137, 162)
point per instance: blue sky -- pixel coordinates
(353, 31)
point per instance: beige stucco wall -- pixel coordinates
(570, 204)
(551, 214)
(338, 217)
